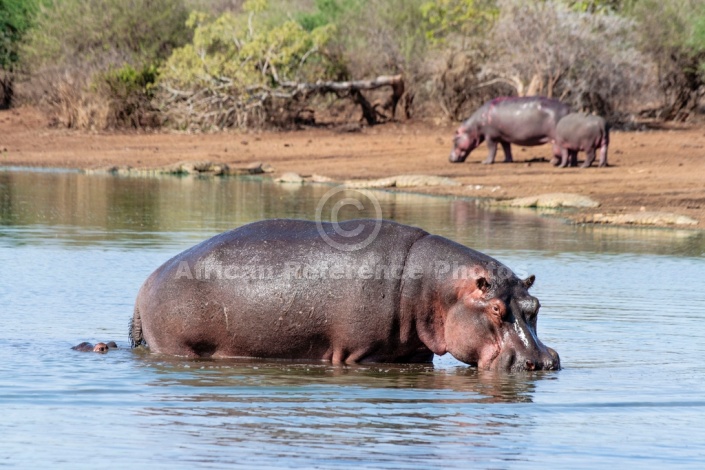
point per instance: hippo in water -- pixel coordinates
(581, 132)
(350, 292)
(99, 347)
(527, 121)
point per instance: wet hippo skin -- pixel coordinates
(358, 291)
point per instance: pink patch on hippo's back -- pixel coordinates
(499, 99)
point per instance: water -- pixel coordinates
(623, 307)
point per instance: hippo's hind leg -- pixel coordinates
(556, 158)
(603, 156)
(565, 158)
(507, 152)
(135, 330)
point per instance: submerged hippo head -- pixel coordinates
(465, 141)
(493, 324)
(101, 348)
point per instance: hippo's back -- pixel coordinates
(581, 128)
(528, 120)
(277, 288)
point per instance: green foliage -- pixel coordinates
(235, 50)
(127, 80)
(377, 37)
(90, 30)
(458, 18)
(598, 6)
(237, 64)
(15, 19)
(672, 34)
(328, 12)
(74, 45)
(696, 41)
(129, 91)
(127, 52)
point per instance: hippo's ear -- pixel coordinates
(482, 284)
(529, 281)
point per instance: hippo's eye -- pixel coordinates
(498, 310)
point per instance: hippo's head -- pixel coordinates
(465, 141)
(492, 324)
(101, 348)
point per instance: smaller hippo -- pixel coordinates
(580, 132)
(99, 347)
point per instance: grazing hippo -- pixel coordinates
(99, 347)
(357, 291)
(581, 132)
(527, 121)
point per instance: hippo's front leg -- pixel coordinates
(492, 147)
(507, 152)
(589, 157)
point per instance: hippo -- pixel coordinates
(528, 121)
(581, 132)
(358, 291)
(99, 347)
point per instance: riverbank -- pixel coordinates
(650, 171)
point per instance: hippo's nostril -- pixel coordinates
(553, 362)
(530, 365)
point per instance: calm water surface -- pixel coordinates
(623, 307)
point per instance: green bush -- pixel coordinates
(75, 44)
(97, 63)
(15, 19)
(673, 35)
(327, 12)
(130, 91)
(136, 31)
(234, 69)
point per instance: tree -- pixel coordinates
(235, 67)
(455, 30)
(546, 48)
(673, 34)
(15, 19)
(597, 6)
(77, 49)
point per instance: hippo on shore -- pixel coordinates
(99, 347)
(579, 132)
(350, 292)
(527, 121)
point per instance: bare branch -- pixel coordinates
(224, 105)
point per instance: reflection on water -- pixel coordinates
(220, 377)
(622, 307)
(394, 413)
(76, 209)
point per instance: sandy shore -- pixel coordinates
(656, 170)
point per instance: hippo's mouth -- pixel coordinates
(457, 157)
(514, 362)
